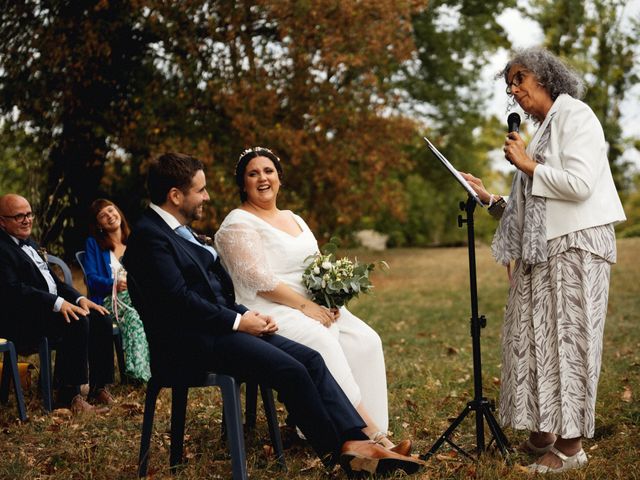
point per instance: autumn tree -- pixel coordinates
(73, 72)
(454, 41)
(108, 84)
(311, 80)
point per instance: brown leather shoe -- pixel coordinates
(103, 397)
(403, 448)
(80, 406)
(362, 457)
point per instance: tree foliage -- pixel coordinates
(110, 83)
(342, 91)
(454, 41)
(74, 72)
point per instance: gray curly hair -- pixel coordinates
(554, 75)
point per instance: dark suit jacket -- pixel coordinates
(24, 292)
(175, 286)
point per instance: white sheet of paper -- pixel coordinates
(454, 172)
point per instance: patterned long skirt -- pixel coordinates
(552, 344)
(134, 341)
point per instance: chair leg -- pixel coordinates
(251, 401)
(233, 419)
(272, 421)
(13, 360)
(153, 390)
(178, 414)
(45, 374)
(4, 382)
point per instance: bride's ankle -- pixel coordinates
(381, 439)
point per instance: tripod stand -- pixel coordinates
(480, 405)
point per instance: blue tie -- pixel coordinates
(185, 233)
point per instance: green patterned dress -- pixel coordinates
(134, 340)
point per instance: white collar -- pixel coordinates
(15, 239)
(166, 216)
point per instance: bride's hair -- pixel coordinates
(245, 157)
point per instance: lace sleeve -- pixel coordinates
(243, 255)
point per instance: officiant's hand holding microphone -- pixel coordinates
(515, 148)
(514, 151)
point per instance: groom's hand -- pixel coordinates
(256, 324)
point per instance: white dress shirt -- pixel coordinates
(44, 270)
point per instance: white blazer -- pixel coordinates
(576, 177)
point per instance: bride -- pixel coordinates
(263, 249)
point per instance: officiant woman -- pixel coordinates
(264, 250)
(556, 233)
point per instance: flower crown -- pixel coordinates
(256, 150)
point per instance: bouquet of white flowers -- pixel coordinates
(333, 282)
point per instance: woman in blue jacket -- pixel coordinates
(107, 282)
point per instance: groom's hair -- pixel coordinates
(171, 170)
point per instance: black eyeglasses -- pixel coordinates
(516, 81)
(20, 217)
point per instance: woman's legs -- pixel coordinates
(541, 439)
(372, 430)
(363, 349)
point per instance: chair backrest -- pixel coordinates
(80, 254)
(66, 272)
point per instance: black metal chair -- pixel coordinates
(232, 410)
(10, 372)
(117, 335)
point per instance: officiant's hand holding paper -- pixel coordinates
(477, 186)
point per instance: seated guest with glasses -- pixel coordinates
(37, 304)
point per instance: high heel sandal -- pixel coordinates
(402, 448)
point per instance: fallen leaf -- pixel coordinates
(626, 395)
(447, 456)
(267, 450)
(593, 447)
(452, 351)
(311, 465)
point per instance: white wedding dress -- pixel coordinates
(258, 257)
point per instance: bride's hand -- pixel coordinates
(318, 313)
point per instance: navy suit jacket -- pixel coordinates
(173, 284)
(23, 290)
(97, 267)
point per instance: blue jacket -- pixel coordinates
(97, 268)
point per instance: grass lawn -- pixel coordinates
(421, 310)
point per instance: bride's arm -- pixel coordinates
(243, 255)
(287, 296)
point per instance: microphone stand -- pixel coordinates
(482, 407)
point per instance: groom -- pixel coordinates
(192, 319)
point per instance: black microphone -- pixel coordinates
(513, 122)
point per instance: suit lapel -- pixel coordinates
(180, 244)
(25, 259)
